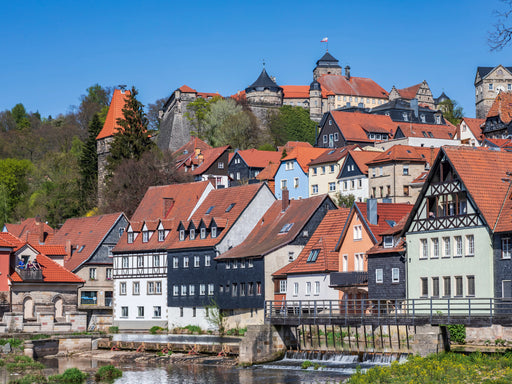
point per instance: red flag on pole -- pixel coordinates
(324, 40)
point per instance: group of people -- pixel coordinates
(30, 266)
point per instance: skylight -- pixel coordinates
(286, 228)
(210, 209)
(430, 134)
(409, 151)
(81, 248)
(331, 152)
(230, 207)
(313, 255)
(424, 133)
(391, 223)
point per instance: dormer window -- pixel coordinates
(404, 116)
(210, 209)
(422, 118)
(214, 232)
(438, 119)
(182, 234)
(161, 235)
(192, 234)
(388, 241)
(145, 236)
(203, 233)
(130, 237)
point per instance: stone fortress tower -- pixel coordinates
(489, 82)
(264, 95)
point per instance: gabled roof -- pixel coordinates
(354, 125)
(295, 91)
(361, 158)
(409, 92)
(188, 149)
(115, 111)
(85, 234)
(474, 126)
(324, 239)
(334, 155)
(51, 250)
(10, 241)
(220, 200)
(290, 145)
(327, 60)
(433, 131)
(497, 143)
(269, 172)
(30, 230)
(355, 86)
(187, 89)
(484, 71)
(258, 159)
(406, 153)
(52, 272)
(209, 157)
(502, 107)
(266, 236)
(263, 82)
(304, 156)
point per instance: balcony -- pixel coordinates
(349, 279)
(28, 275)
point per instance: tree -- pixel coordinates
(14, 186)
(154, 113)
(95, 101)
(291, 124)
(20, 117)
(346, 201)
(89, 165)
(452, 111)
(133, 139)
(218, 113)
(501, 35)
(196, 114)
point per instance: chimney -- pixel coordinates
(285, 199)
(41, 233)
(168, 203)
(197, 151)
(371, 211)
(69, 250)
(347, 72)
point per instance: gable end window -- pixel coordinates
(506, 250)
(130, 237)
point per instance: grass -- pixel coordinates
(15, 343)
(108, 373)
(448, 368)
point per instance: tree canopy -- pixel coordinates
(501, 34)
(452, 111)
(292, 124)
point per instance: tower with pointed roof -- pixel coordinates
(489, 82)
(264, 95)
(327, 65)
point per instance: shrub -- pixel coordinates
(194, 328)
(155, 329)
(457, 333)
(30, 379)
(113, 329)
(70, 376)
(108, 373)
(15, 343)
(306, 364)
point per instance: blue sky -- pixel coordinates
(54, 50)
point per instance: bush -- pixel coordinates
(194, 328)
(70, 376)
(108, 373)
(457, 333)
(306, 364)
(113, 329)
(156, 329)
(30, 379)
(15, 343)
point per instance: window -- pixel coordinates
(109, 273)
(458, 286)
(238, 175)
(185, 262)
(379, 276)
(151, 288)
(175, 262)
(435, 286)
(209, 210)
(332, 187)
(234, 289)
(471, 285)
(207, 260)
(175, 290)
(125, 261)
(191, 290)
(388, 241)
(221, 165)
(315, 170)
(358, 232)
(136, 288)
(122, 288)
(282, 286)
(140, 261)
(203, 233)
(196, 261)
(156, 260)
(192, 234)
(140, 311)
(181, 311)
(308, 288)
(325, 139)
(286, 228)
(158, 287)
(183, 290)
(447, 286)
(323, 169)
(506, 289)
(202, 289)
(314, 189)
(157, 312)
(234, 264)
(359, 261)
(295, 289)
(435, 248)
(121, 231)
(250, 263)
(230, 207)
(313, 255)
(288, 165)
(242, 289)
(145, 236)
(89, 297)
(405, 170)
(395, 275)
(317, 287)
(214, 232)
(296, 182)
(210, 289)
(424, 287)
(423, 249)
(283, 183)
(336, 135)
(92, 273)
(124, 311)
(182, 234)
(130, 237)
(490, 86)
(458, 246)
(506, 249)
(470, 245)
(447, 247)
(406, 190)
(345, 263)
(242, 263)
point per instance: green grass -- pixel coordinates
(108, 373)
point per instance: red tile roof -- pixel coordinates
(334, 154)
(385, 211)
(448, 131)
(406, 153)
(409, 92)
(500, 143)
(188, 149)
(290, 145)
(10, 241)
(269, 172)
(475, 126)
(354, 125)
(52, 272)
(362, 158)
(304, 156)
(85, 235)
(324, 238)
(259, 159)
(209, 157)
(115, 111)
(295, 91)
(29, 230)
(356, 86)
(266, 236)
(187, 89)
(502, 107)
(51, 250)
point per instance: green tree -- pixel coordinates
(237, 130)
(133, 139)
(346, 201)
(95, 101)
(217, 115)
(452, 111)
(291, 124)
(14, 186)
(89, 165)
(20, 117)
(196, 115)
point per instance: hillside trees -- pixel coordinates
(291, 124)
(14, 186)
(88, 163)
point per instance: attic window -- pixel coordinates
(409, 151)
(121, 231)
(286, 228)
(430, 134)
(388, 241)
(391, 223)
(81, 248)
(230, 207)
(313, 255)
(182, 234)
(331, 152)
(203, 233)
(214, 232)
(210, 209)
(449, 134)
(424, 133)
(145, 236)
(192, 234)
(161, 235)
(130, 237)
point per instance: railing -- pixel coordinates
(411, 311)
(30, 274)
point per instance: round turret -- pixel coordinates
(264, 91)
(315, 86)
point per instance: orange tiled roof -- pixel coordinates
(362, 158)
(304, 156)
(295, 91)
(259, 159)
(502, 107)
(354, 125)
(334, 154)
(436, 131)
(51, 250)
(385, 211)
(266, 236)
(29, 230)
(324, 238)
(475, 126)
(269, 172)
(409, 92)
(189, 148)
(406, 153)
(209, 157)
(52, 272)
(85, 235)
(356, 86)
(115, 111)
(10, 241)
(187, 89)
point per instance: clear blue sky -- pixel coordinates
(54, 50)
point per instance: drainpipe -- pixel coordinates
(394, 182)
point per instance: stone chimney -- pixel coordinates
(347, 72)
(168, 203)
(371, 211)
(69, 250)
(285, 199)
